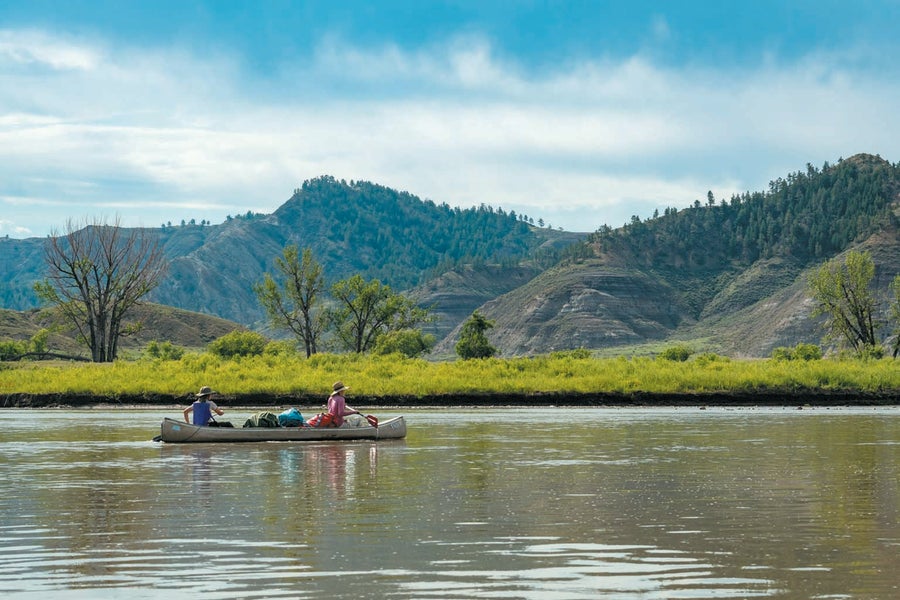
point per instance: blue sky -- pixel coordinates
(579, 113)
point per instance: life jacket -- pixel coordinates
(322, 420)
(202, 412)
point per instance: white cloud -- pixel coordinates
(163, 135)
(36, 48)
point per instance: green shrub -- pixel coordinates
(280, 348)
(807, 352)
(473, 342)
(782, 353)
(411, 343)
(710, 357)
(12, 350)
(239, 343)
(38, 342)
(799, 352)
(875, 352)
(679, 353)
(163, 351)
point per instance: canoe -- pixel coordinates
(181, 432)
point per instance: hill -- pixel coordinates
(159, 323)
(727, 276)
(355, 227)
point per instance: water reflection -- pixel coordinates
(200, 461)
(612, 504)
(566, 570)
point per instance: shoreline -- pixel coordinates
(821, 398)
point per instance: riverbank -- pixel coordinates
(820, 398)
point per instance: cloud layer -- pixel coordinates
(95, 128)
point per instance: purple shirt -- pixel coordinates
(337, 407)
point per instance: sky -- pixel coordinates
(578, 113)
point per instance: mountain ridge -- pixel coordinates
(702, 273)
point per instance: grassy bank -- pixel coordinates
(393, 377)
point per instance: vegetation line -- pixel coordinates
(554, 379)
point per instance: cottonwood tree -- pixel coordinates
(842, 293)
(367, 310)
(895, 314)
(96, 273)
(292, 305)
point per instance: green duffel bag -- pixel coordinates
(262, 419)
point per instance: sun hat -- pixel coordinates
(338, 387)
(206, 391)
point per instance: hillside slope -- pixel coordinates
(730, 277)
(160, 323)
(355, 227)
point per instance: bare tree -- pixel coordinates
(96, 273)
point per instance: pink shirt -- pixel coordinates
(337, 407)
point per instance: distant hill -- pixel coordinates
(355, 227)
(725, 275)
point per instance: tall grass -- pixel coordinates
(396, 376)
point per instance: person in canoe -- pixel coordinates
(336, 409)
(337, 404)
(203, 407)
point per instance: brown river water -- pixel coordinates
(612, 503)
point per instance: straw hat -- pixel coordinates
(338, 387)
(205, 391)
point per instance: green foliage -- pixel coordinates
(709, 358)
(473, 342)
(895, 315)
(802, 219)
(418, 236)
(809, 215)
(280, 348)
(238, 343)
(842, 294)
(875, 352)
(576, 354)
(677, 353)
(12, 350)
(807, 352)
(410, 343)
(782, 353)
(799, 352)
(293, 305)
(367, 310)
(39, 342)
(163, 351)
(393, 375)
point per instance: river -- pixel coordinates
(543, 504)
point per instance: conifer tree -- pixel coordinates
(473, 342)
